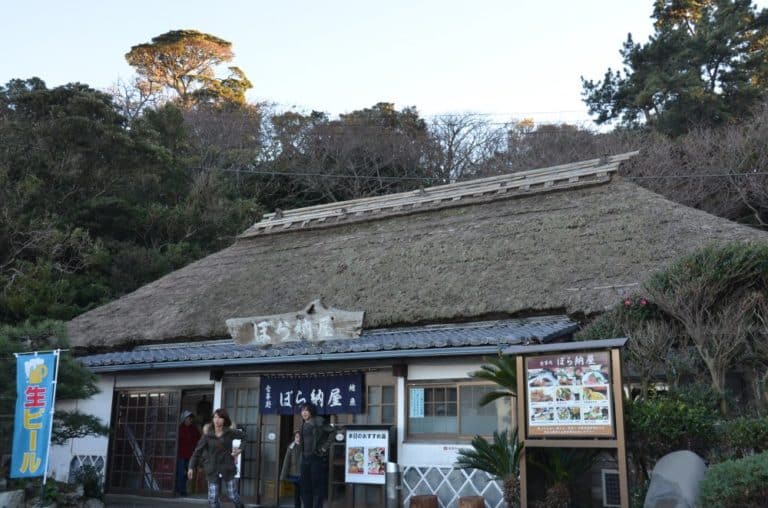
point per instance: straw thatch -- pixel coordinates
(531, 250)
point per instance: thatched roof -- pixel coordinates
(571, 239)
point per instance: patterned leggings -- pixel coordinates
(215, 487)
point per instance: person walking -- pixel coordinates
(216, 451)
(189, 435)
(316, 438)
(291, 470)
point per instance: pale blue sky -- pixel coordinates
(510, 58)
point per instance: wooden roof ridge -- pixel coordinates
(453, 194)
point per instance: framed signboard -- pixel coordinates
(366, 453)
(569, 395)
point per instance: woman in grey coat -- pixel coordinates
(291, 470)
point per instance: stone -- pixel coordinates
(675, 481)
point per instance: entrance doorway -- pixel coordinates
(200, 403)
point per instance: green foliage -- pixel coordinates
(662, 424)
(728, 271)
(741, 483)
(502, 371)
(745, 436)
(93, 207)
(499, 458)
(703, 65)
(91, 480)
(716, 294)
(562, 465)
(185, 61)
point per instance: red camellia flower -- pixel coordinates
(627, 302)
(642, 301)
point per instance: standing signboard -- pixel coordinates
(570, 396)
(33, 420)
(366, 454)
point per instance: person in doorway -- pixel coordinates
(316, 438)
(189, 435)
(291, 470)
(218, 456)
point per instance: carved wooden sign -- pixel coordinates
(315, 323)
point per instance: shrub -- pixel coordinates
(90, 477)
(665, 423)
(741, 483)
(745, 436)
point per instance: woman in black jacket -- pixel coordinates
(216, 451)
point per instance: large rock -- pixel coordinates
(12, 499)
(675, 481)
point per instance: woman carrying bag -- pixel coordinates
(219, 457)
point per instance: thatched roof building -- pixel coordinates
(570, 239)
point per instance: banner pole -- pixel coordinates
(57, 354)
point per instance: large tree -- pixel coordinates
(703, 65)
(92, 207)
(368, 152)
(185, 61)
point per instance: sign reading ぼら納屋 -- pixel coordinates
(315, 322)
(332, 394)
(569, 394)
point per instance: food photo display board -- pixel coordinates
(367, 451)
(569, 395)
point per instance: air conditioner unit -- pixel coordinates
(611, 488)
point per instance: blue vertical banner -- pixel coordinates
(35, 396)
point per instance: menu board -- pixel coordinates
(366, 455)
(569, 395)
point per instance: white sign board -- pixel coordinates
(315, 323)
(365, 456)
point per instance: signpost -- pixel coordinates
(36, 375)
(569, 395)
(367, 451)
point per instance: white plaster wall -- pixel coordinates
(156, 380)
(100, 406)
(430, 371)
(430, 454)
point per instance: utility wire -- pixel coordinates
(444, 179)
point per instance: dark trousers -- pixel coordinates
(313, 481)
(181, 476)
(296, 491)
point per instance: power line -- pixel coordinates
(692, 177)
(448, 179)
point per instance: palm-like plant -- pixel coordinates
(500, 459)
(503, 372)
(560, 468)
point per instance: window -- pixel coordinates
(380, 407)
(143, 447)
(439, 410)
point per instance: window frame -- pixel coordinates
(457, 384)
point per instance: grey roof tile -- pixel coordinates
(455, 338)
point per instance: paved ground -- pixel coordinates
(125, 501)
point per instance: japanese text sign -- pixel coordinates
(366, 453)
(34, 411)
(330, 394)
(569, 395)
